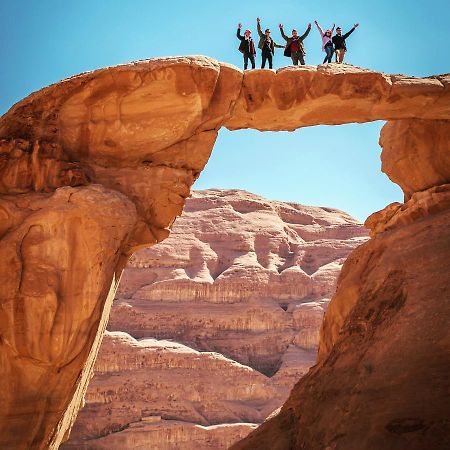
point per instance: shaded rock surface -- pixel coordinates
(140, 134)
(240, 275)
(382, 375)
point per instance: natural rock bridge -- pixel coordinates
(99, 165)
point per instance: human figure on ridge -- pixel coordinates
(339, 42)
(246, 47)
(327, 43)
(294, 45)
(266, 44)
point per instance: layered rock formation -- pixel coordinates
(139, 397)
(239, 275)
(128, 142)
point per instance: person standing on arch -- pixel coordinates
(246, 47)
(266, 44)
(339, 42)
(294, 45)
(327, 43)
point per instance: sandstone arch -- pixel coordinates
(99, 165)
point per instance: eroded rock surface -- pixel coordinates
(129, 141)
(91, 168)
(381, 378)
(140, 396)
(240, 275)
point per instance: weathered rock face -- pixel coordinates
(138, 135)
(139, 394)
(295, 97)
(239, 275)
(62, 245)
(419, 148)
(381, 378)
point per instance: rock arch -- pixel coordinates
(99, 165)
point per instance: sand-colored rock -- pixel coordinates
(418, 149)
(380, 382)
(218, 283)
(130, 141)
(140, 386)
(234, 277)
(295, 97)
(62, 246)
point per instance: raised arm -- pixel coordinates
(305, 34)
(258, 27)
(282, 33)
(238, 33)
(332, 30)
(346, 35)
(318, 27)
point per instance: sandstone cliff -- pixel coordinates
(99, 165)
(240, 275)
(234, 277)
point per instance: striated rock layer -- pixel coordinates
(239, 275)
(128, 142)
(139, 397)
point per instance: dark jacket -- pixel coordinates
(289, 40)
(247, 46)
(262, 39)
(339, 41)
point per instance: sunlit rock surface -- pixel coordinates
(138, 135)
(240, 275)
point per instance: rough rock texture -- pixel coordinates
(419, 148)
(130, 141)
(295, 97)
(383, 374)
(138, 135)
(239, 275)
(139, 395)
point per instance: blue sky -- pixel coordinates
(44, 41)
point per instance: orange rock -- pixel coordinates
(416, 153)
(99, 165)
(296, 97)
(381, 379)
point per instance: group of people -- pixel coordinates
(294, 47)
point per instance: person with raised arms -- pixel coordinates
(266, 44)
(339, 42)
(294, 45)
(246, 47)
(327, 43)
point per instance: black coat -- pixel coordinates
(247, 46)
(339, 41)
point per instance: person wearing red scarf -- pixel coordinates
(246, 47)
